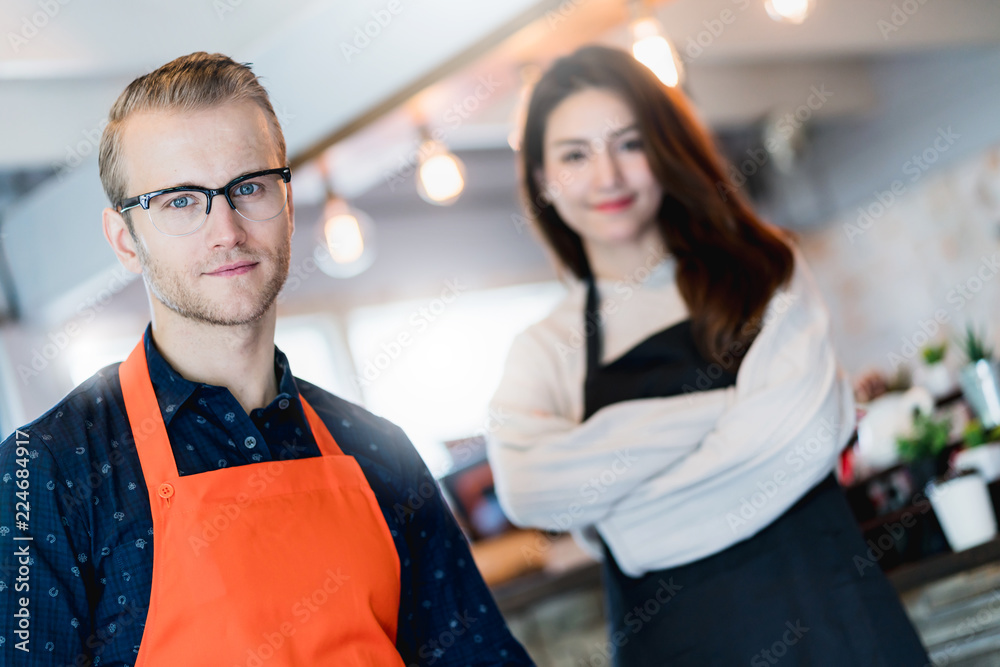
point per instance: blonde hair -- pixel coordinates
(189, 83)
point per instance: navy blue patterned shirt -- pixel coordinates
(84, 577)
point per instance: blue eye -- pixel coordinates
(180, 202)
(245, 189)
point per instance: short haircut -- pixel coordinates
(189, 83)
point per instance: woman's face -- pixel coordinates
(595, 170)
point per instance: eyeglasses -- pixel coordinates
(180, 211)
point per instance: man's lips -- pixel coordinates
(614, 204)
(235, 269)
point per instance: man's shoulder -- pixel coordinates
(358, 431)
(331, 406)
(84, 415)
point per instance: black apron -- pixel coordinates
(790, 594)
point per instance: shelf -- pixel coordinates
(934, 568)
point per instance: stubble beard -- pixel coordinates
(169, 290)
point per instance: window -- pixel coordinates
(10, 412)
(91, 354)
(316, 353)
(432, 365)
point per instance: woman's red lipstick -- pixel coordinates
(613, 205)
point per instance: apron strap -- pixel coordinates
(592, 329)
(144, 417)
(324, 439)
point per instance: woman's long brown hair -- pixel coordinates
(729, 262)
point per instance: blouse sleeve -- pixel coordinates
(793, 412)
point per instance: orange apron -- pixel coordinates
(278, 563)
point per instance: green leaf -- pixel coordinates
(974, 346)
(973, 434)
(934, 353)
(929, 438)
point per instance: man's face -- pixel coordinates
(188, 274)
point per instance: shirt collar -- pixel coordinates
(173, 390)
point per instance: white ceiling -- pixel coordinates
(58, 83)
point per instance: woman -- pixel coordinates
(682, 410)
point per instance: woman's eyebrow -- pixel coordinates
(610, 135)
(623, 130)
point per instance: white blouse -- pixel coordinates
(667, 481)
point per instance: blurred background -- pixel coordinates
(869, 127)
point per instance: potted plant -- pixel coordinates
(922, 448)
(933, 374)
(887, 417)
(980, 379)
(982, 450)
(962, 504)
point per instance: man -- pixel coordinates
(198, 505)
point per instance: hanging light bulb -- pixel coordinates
(440, 174)
(345, 236)
(652, 49)
(788, 11)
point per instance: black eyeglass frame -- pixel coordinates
(143, 199)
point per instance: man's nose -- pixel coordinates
(224, 226)
(607, 172)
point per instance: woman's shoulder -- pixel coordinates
(563, 323)
(800, 267)
(544, 361)
(801, 285)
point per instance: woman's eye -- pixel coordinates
(245, 189)
(574, 156)
(634, 144)
(180, 202)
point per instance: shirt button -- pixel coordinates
(165, 490)
(283, 404)
(250, 442)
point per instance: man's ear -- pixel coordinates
(120, 239)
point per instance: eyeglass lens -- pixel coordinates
(182, 211)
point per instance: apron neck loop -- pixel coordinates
(145, 418)
(592, 328)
